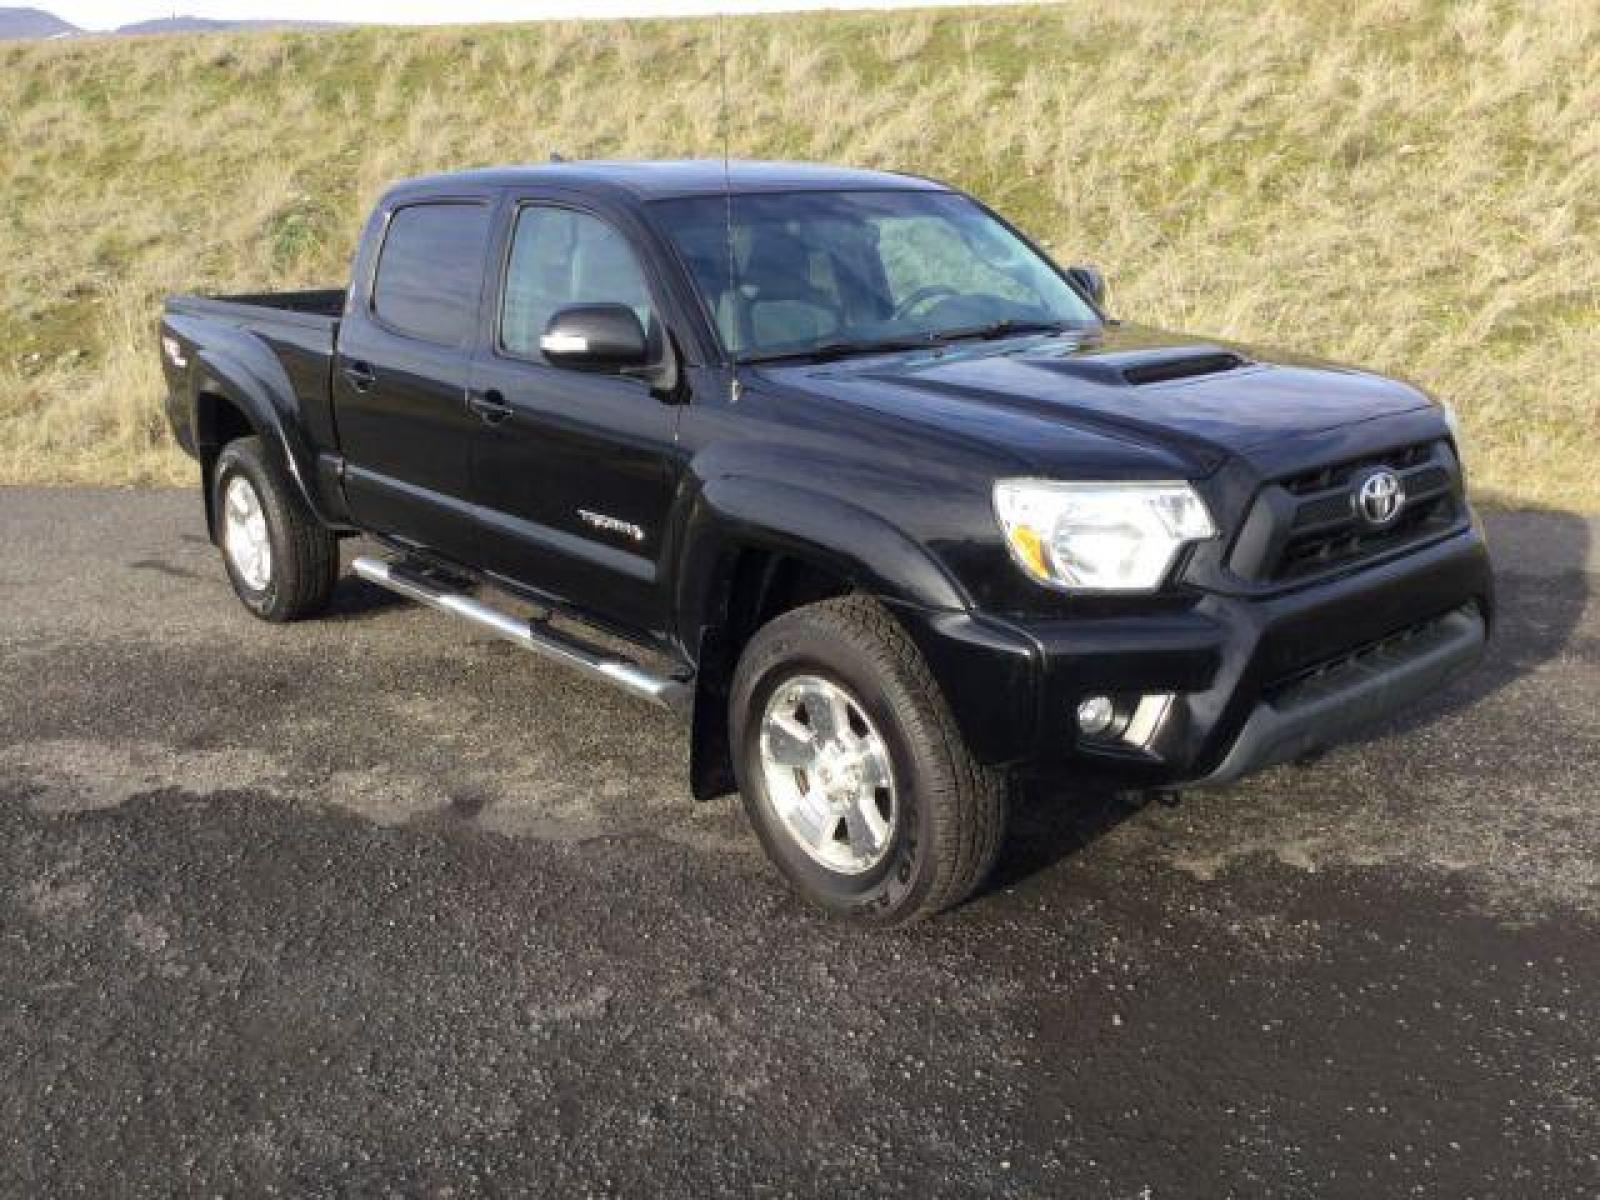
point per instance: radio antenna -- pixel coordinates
(724, 120)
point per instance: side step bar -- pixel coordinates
(674, 694)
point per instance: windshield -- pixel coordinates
(815, 272)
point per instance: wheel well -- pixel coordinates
(757, 586)
(765, 586)
(218, 421)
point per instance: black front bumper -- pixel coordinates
(1255, 680)
(1374, 682)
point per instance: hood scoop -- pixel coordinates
(1147, 366)
(1183, 366)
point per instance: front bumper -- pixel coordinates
(1377, 681)
(1255, 680)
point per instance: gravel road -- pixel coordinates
(376, 904)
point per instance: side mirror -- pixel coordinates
(1090, 282)
(596, 337)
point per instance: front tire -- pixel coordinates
(852, 770)
(283, 563)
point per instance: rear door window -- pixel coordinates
(430, 272)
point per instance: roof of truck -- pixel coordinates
(672, 178)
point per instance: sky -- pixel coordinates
(108, 14)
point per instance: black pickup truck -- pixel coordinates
(842, 466)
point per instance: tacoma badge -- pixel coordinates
(612, 524)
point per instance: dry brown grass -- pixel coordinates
(1402, 183)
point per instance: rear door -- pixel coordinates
(402, 371)
(575, 471)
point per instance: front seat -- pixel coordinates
(778, 303)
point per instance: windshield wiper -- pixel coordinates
(829, 351)
(997, 329)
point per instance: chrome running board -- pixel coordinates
(537, 635)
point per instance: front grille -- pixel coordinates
(1308, 524)
(1340, 474)
(1313, 553)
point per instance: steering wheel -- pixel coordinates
(934, 291)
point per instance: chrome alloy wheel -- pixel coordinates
(828, 775)
(244, 534)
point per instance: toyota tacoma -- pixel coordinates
(841, 466)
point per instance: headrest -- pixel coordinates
(778, 267)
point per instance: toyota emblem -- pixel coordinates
(1380, 497)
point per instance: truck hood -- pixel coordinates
(1036, 398)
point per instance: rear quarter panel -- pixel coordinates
(274, 368)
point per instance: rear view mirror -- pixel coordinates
(596, 337)
(1090, 282)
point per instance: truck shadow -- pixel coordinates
(1544, 586)
(1047, 827)
(356, 600)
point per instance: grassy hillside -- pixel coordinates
(1409, 184)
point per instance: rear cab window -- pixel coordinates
(430, 270)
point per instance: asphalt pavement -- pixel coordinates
(376, 904)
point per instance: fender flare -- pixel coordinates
(735, 513)
(257, 386)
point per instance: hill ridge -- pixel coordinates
(20, 24)
(33, 23)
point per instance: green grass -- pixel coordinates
(1410, 185)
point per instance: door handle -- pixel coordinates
(491, 406)
(359, 375)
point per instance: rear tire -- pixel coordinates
(853, 771)
(283, 563)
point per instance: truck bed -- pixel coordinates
(318, 305)
(297, 329)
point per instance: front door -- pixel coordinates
(574, 471)
(401, 376)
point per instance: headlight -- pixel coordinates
(1452, 420)
(1099, 537)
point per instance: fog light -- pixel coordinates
(1096, 715)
